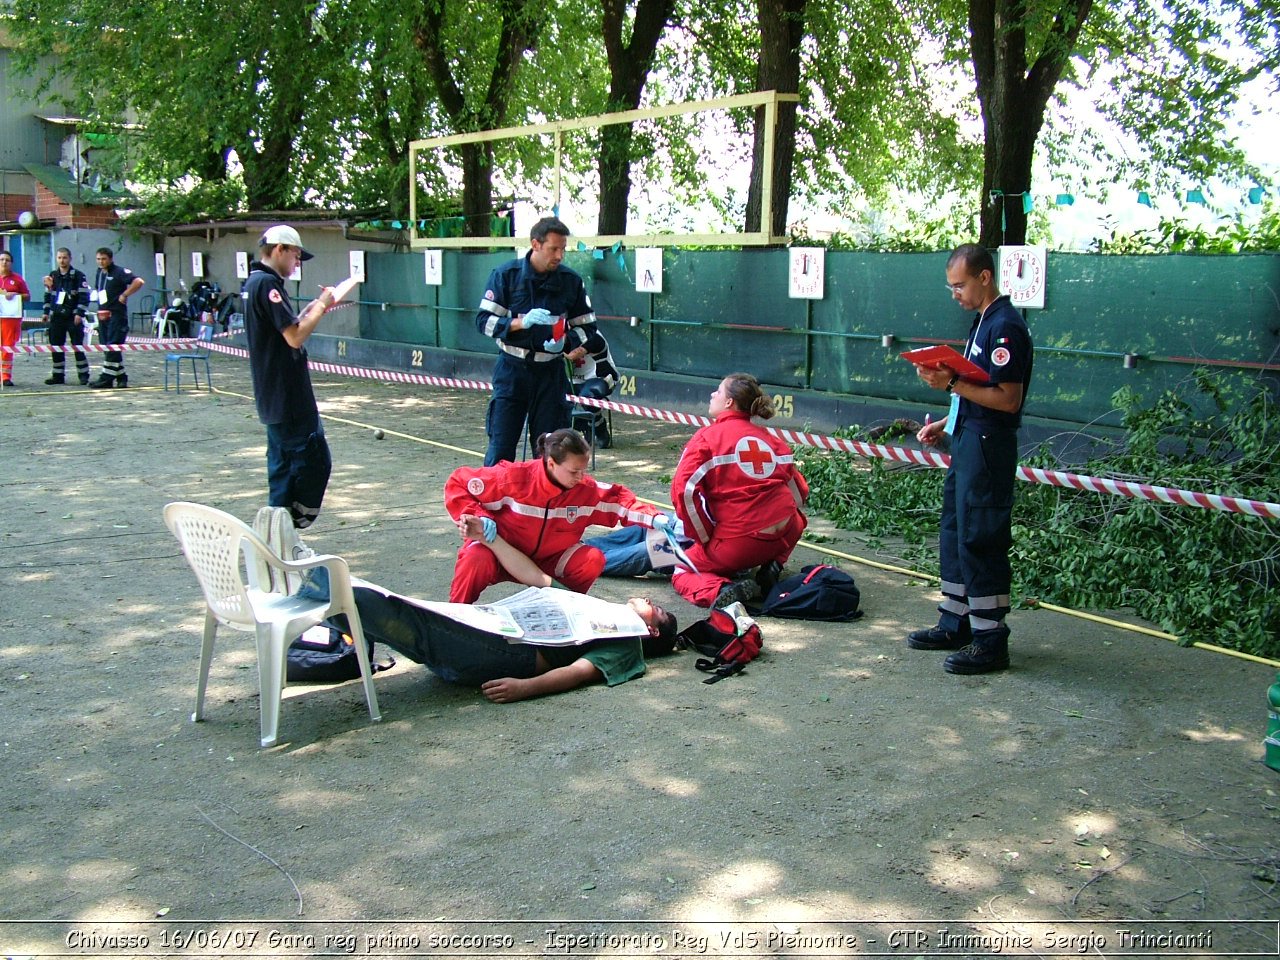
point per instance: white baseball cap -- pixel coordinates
(282, 233)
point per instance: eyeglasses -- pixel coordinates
(957, 287)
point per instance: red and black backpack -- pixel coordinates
(727, 642)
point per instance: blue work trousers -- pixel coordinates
(975, 535)
(524, 388)
(298, 468)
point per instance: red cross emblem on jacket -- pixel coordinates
(755, 458)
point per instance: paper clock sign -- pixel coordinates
(242, 265)
(433, 265)
(1022, 275)
(649, 270)
(805, 276)
(159, 264)
(356, 259)
(197, 264)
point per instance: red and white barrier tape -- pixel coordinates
(930, 458)
(926, 458)
(134, 346)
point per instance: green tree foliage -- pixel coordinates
(1166, 75)
(316, 105)
(1175, 235)
(870, 118)
(1204, 575)
(203, 78)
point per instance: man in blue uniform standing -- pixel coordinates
(113, 285)
(539, 313)
(298, 459)
(977, 503)
(66, 298)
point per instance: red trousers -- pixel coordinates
(10, 334)
(477, 568)
(721, 560)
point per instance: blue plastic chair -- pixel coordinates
(204, 334)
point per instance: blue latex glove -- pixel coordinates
(661, 521)
(490, 529)
(553, 346)
(538, 317)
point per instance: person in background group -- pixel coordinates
(540, 507)
(739, 495)
(539, 313)
(977, 501)
(113, 285)
(66, 298)
(13, 290)
(298, 457)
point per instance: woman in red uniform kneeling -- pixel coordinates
(739, 495)
(541, 507)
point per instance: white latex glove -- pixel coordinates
(538, 317)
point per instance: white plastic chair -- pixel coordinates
(219, 549)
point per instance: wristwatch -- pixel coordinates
(951, 384)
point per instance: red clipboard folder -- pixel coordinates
(940, 355)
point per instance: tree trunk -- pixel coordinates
(517, 33)
(1014, 98)
(477, 188)
(615, 179)
(629, 66)
(266, 171)
(781, 32)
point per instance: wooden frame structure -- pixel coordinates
(768, 99)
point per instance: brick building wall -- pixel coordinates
(85, 216)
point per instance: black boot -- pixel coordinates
(84, 379)
(987, 653)
(55, 379)
(767, 576)
(122, 381)
(104, 381)
(737, 591)
(937, 638)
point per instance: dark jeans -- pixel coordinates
(453, 651)
(626, 554)
(298, 468)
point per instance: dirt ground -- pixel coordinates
(843, 796)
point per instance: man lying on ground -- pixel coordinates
(471, 649)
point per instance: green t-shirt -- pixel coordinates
(618, 660)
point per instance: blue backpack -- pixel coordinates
(817, 592)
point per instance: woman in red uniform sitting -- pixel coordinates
(739, 496)
(541, 507)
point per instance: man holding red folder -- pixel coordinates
(977, 503)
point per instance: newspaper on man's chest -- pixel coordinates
(546, 616)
